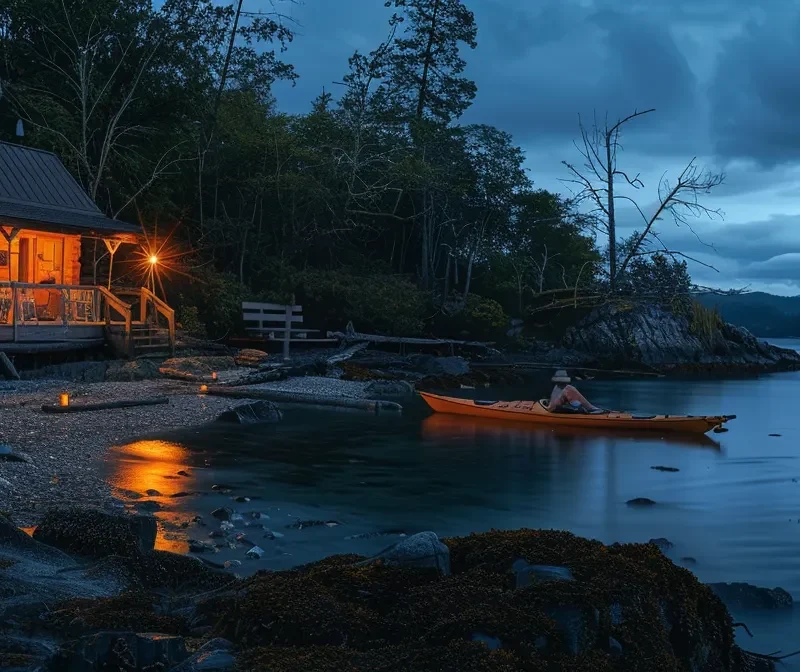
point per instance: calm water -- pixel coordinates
(734, 505)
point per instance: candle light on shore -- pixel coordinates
(204, 389)
(63, 399)
(214, 376)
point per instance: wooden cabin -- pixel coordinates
(45, 216)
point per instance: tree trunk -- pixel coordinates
(612, 227)
(425, 253)
(447, 278)
(468, 278)
(423, 87)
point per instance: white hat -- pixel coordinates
(561, 377)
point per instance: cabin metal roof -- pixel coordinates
(37, 191)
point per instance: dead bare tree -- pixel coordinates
(598, 177)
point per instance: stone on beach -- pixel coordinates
(258, 412)
(419, 550)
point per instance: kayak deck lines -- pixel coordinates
(537, 412)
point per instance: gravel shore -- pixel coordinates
(62, 451)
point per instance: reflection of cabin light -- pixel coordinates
(153, 259)
(204, 388)
(63, 399)
(214, 375)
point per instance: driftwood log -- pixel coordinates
(256, 378)
(370, 405)
(347, 353)
(103, 406)
(356, 337)
(7, 368)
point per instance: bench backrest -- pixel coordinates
(269, 315)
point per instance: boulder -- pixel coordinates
(258, 412)
(419, 550)
(96, 533)
(129, 651)
(640, 502)
(250, 357)
(745, 597)
(389, 388)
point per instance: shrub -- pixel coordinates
(189, 319)
(477, 317)
(704, 322)
(212, 303)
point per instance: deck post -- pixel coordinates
(14, 310)
(287, 333)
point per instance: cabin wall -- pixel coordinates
(37, 256)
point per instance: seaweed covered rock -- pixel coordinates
(585, 606)
(96, 533)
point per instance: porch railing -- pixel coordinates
(26, 304)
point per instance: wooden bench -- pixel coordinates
(270, 319)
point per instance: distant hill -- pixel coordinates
(764, 315)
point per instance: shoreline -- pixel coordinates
(62, 454)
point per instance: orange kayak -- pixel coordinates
(536, 412)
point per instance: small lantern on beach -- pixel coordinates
(63, 399)
(203, 389)
(214, 376)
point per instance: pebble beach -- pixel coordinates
(56, 456)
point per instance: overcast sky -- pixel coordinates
(723, 75)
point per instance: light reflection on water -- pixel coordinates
(153, 465)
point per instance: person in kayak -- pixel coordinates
(565, 395)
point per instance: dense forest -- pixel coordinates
(377, 205)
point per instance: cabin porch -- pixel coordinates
(52, 317)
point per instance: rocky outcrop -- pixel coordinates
(655, 338)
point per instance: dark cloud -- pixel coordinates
(754, 94)
(579, 60)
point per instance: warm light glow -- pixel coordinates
(145, 465)
(63, 399)
(214, 375)
(204, 388)
(153, 259)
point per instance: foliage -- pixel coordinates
(656, 276)
(212, 302)
(473, 318)
(704, 322)
(374, 302)
(189, 319)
